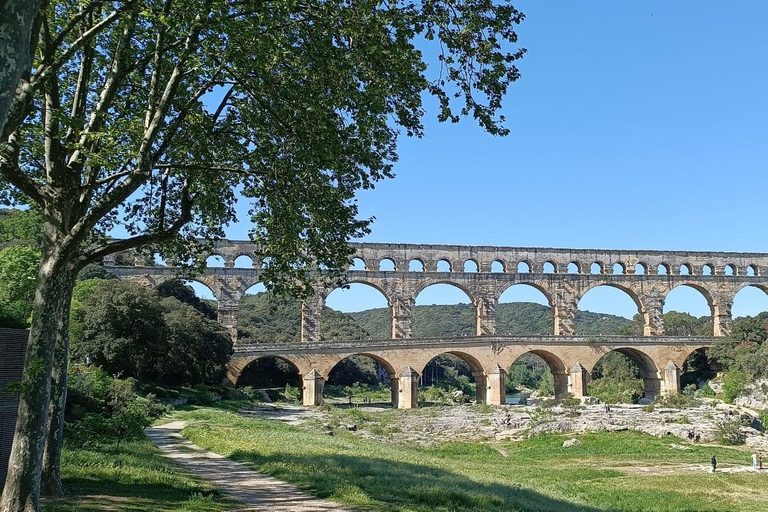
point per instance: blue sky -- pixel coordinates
(636, 125)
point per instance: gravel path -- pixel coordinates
(235, 480)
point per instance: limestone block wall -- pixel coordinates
(13, 344)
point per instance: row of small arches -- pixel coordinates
(549, 267)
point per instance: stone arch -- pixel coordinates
(498, 267)
(209, 282)
(629, 291)
(663, 269)
(238, 366)
(685, 269)
(573, 268)
(641, 268)
(391, 376)
(703, 290)
(597, 268)
(385, 263)
(556, 366)
(751, 270)
(215, 255)
(524, 267)
(524, 286)
(471, 266)
(444, 265)
(358, 263)
(390, 369)
(739, 307)
(365, 298)
(549, 267)
(475, 368)
(243, 255)
(618, 268)
(423, 286)
(649, 371)
(416, 265)
(707, 269)
(729, 269)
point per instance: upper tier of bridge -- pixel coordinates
(378, 256)
(401, 271)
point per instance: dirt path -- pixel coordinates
(237, 481)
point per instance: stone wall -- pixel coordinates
(13, 344)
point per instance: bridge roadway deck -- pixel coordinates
(449, 344)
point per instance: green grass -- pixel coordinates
(135, 478)
(604, 472)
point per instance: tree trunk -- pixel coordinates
(16, 20)
(22, 484)
(51, 479)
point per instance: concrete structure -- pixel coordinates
(401, 271)
(564, 276)
(571, 359)
(13, 345)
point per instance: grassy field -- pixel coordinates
(135, 478)
(620, 471)
(623, 471)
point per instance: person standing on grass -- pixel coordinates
(714, 463)
(754, 461)
(760, 460)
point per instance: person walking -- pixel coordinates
(760, 460)
(714, 463)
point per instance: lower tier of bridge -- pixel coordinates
(570, 358)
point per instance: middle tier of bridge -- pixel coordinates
(570, 358)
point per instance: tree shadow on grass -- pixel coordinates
(380, 484)
(86, 495)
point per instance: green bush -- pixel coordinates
(733, 385)
(106, 409)
(677, 400)
(729, 432)
(292, 394)
(705, 391)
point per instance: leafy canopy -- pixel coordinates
(152, 116)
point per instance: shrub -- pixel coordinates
(108, 409)
(292, 394)
(729, 432)
(677, 400)
(733, 385)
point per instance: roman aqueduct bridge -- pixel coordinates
(401, 271)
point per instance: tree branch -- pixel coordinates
(97, 253)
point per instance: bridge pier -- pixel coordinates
(394, 389)
(578, 381)
(485, 316)
(652, 387)
(481, 387)
(672, 378)
(721, 319)
(313, 388)
(409, 389)
(561, 383)
(497, 390)
(227, 317)
(310, 319)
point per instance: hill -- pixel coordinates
(264, 319)
(517, 318)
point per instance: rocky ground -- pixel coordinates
(435, 424)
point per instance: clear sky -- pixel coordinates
(635, 125)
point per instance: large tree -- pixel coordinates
(151, 116)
